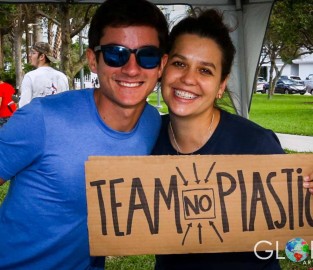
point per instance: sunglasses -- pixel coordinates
(147, 57)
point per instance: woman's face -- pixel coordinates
(192, 76)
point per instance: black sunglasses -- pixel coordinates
(147, 57)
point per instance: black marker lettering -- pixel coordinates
(98, 184)
(172, 195)
(114, 206)
(280, 206)
(223, 194)
(290, 200)
(258, 194)
(137, 188)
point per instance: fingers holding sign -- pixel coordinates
(308, 182)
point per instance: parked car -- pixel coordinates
(260, 83)
(292, 77)
(296, 79)
(286, 86)
(309, 84)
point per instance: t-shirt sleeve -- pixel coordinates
(21, 140)
(270, 144)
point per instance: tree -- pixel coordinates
(73, 20)
(6, 26)
(289, 35)
(61, 22)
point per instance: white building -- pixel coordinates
(302, 67)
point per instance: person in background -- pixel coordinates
(44, 80)
(7, 105)
(43, 218)
(199, 63)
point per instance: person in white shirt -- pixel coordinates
(44, 80)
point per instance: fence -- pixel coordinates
(90, 81)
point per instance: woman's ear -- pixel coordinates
(92, 60)
(222, 88)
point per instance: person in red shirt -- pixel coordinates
(7, 105)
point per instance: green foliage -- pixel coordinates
(27, 67)
(289, 25)
(289, 31)
(8, 76)
(6, 11)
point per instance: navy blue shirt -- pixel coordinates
(233, 135)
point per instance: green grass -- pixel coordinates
(143, 262)
(156, 100)
(291, 114)
(3, 191)
(146, 262)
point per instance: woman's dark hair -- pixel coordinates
(208, 24)
(117, 13)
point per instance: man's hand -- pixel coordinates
(308, 182)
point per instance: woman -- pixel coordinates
(196, 74)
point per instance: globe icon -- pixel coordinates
(297, 249)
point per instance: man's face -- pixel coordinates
(34, 58)
(129, 85)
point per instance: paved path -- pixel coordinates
(296, 143)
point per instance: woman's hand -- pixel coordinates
(308, 182)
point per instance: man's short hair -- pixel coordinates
(120, 13)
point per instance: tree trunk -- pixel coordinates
(17, 45)
(66, 43)
(1, 51)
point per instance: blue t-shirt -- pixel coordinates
(234, 135)
(43, 148)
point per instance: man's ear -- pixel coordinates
(162, 64)
(42, 57)
(92, 60)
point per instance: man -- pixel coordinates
(43, 219)
(44, 80)
(7, 105)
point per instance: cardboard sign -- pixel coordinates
(196, 204)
